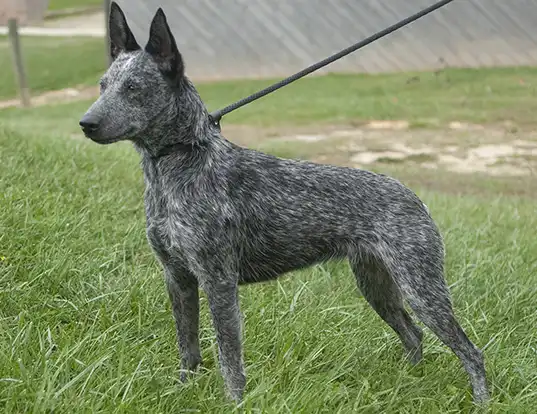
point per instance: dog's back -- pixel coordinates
(289, 214)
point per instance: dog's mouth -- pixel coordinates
(104, 141)
(99, 139)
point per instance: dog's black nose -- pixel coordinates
(89, 124)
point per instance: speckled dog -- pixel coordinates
(219, 215)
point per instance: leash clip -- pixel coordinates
(215, 121)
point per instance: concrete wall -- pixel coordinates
(259, 38)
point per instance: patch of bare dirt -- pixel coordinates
(59, 96)
(461, 148)
(91, 20)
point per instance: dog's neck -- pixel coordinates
(185, 145)
(182, 125)
(189, 161)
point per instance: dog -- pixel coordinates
(219, 215)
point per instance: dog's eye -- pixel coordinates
(131, 86)
(102, 85)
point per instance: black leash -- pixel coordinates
(216, 116)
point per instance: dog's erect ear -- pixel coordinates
(121, 37)
(162, 47)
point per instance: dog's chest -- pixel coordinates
(157, 223)
(169, 221)
(161, 229)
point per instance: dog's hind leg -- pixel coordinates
(184, 297)
(384, 296)
(418, 270)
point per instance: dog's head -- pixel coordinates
(140, 87)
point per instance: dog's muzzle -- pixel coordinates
(89, 124)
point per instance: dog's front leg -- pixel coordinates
(184, 297)
(223, 297)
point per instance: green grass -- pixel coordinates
(487, 95)
(70, 4)
(85, 322)
(336, 99)
(53, 63)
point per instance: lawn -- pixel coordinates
(85, 322)
(53, 63)
(425, 99)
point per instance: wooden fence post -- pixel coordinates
(106, 6)
(18, 64)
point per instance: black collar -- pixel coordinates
(178, 147)
(172, 148)
(182, 147)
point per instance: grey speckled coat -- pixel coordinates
(219, 215)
